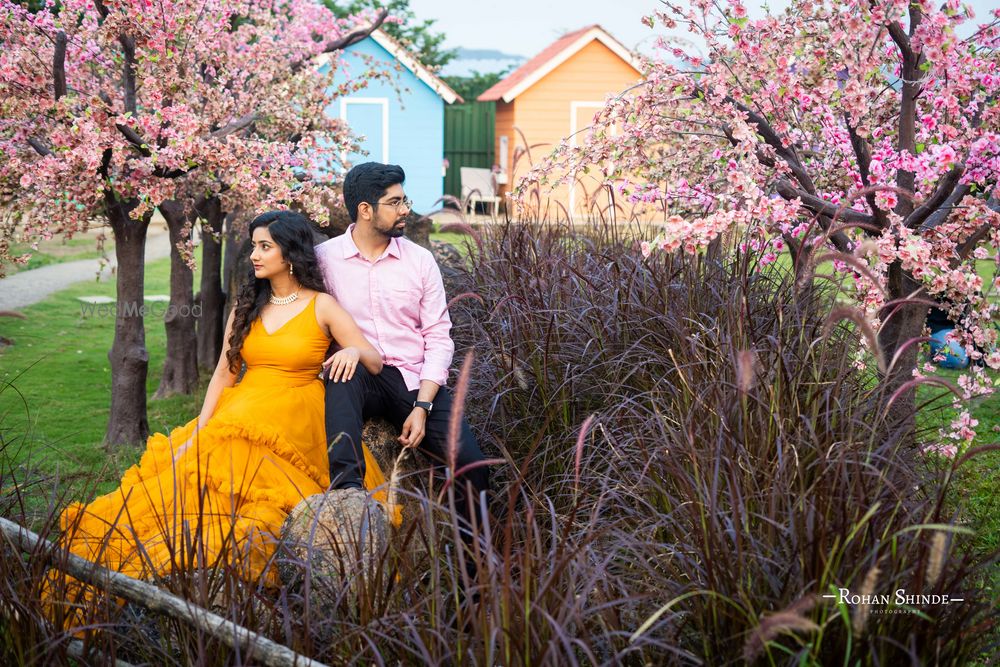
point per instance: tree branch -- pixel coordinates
(905, 180)
(39, 147)
(771, 137)
(133, 138)
(970, 243)
(59, 65)
(940, 216)
(105, 162)
(945, 187)
(823, 207)
(839, 239)
(356, 36)
(899, 37)
(240, 123)
(128, 73)
(864, 157)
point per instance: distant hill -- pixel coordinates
(486, 54)
(482, 61)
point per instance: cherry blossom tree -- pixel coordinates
(860, 132)
(113, 108)
(207, 203)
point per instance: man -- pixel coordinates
(393, 289)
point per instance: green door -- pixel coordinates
(468, 140)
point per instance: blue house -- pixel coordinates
(399, 121)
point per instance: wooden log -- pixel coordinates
(263, 649)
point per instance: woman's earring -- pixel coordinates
(291, 270)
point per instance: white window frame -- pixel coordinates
(381, 101)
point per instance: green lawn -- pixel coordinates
(978, 480)
(454, 238)
(56, 251)
(59, 402)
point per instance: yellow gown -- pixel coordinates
(227, 494)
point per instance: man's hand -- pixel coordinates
(414, 428)
(343, 364)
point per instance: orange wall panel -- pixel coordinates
(544, 111)
(505, 128)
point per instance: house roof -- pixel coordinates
(410, 62)
(551, 57)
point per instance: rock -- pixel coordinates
(336, 540)
(419, 228)
(448, 256)
(381, 439)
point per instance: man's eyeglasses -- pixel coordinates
(397, 204)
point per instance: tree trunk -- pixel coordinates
(211, 319)
(127, 423)
(237, 259)
(180, 368)
(901, 324)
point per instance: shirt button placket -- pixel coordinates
(373, 290)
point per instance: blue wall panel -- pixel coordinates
(415, 137)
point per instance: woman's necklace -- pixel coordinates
(285, 300)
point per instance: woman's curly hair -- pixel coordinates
(292, 233)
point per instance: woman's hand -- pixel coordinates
(179, 452)
(344, 330)
(343, 364)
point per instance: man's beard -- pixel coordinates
(393, 232)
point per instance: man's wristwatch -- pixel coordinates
(426, 405)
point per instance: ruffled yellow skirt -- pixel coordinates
(224, 496)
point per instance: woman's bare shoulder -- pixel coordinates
(324, 300)
(327, 305)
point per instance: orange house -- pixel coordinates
(554, 96)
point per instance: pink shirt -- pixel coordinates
(398, 302)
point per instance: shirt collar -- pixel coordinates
(351, 249)
(393, 248)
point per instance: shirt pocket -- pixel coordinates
(404, 304)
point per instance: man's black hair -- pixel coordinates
(368, 181)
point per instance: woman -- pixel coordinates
(221, 486)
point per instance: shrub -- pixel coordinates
(692, 462)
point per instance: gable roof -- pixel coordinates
(410, 62)
(551, 57)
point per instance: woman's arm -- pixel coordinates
(221, 378)
(343, 329)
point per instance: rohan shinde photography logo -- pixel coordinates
(899, 601)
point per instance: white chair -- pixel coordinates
(479, 186)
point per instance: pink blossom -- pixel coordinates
(797, 111)
(947, 451)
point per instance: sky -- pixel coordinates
(505, 25)
(525, 27)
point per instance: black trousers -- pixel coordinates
(349, 404)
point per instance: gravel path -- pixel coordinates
(28, 287)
